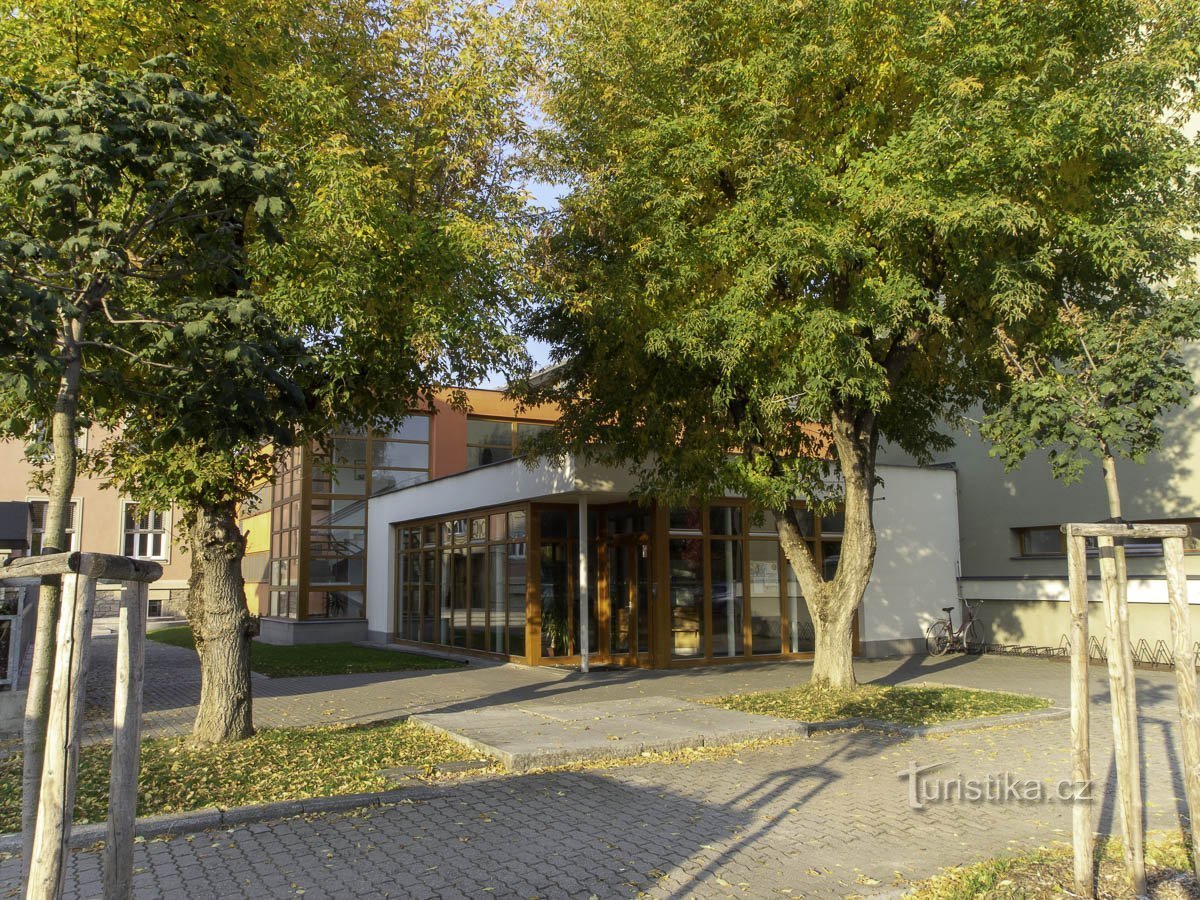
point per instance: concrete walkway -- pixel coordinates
(173, 686)
(824, 816)
(537, 735)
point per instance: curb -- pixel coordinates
(216, 817)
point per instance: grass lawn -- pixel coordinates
(315, 659)
(275, 764)
(925, 705)
(1048, 873)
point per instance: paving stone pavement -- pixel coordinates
(825, 816)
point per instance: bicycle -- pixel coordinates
(941, 636)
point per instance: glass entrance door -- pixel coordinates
(629, 600)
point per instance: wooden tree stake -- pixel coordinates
(1122, 690)
(1082, 829)
(1185, 685)
(56, 801)
(126, 755)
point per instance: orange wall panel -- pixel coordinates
(448, 429)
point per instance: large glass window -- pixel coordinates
(686, 560)
(765, 608)
(477, 607)
(352, 464)
(495, 440)
(727, 598)
(461, 582)
(720, 616)
(620, 583)
(802, 637)
(557, 633)
(340, 604)
(497, 596)
(517, 569)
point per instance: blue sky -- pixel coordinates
(546, 196)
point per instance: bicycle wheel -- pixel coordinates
(937, 638)
(973, 638)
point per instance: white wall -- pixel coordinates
(916, 563)
(1056, 589)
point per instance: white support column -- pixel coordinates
(583, 584)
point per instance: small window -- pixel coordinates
(834, 522)
(685, 518)
(479, 530)
(145, 533)
(414, 428)
(1048, 540)
(498, 531)
(724, 520)
(1045, 541)
(516, 525)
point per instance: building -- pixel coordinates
(436, 536)
(488, 562)
(1013, 556)
(104, 521)
(306, 554)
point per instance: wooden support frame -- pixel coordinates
(1185, 685)
(1122, 691)
(1082, 829)
(56, 799)
(126, 752)
(1123, 687)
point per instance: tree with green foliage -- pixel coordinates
(1097, 384)
(220, 396)
(402, 250)
(398, 123)
(791, 230)
(122, 195)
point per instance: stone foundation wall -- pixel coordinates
(168, 602)
(175, 602)
(108, 602)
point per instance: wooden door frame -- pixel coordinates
(631, 544)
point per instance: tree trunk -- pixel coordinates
(1111, 487)
(221, 626)
(831, 603)
(833, 646)
(64, 426)
(1123, 686)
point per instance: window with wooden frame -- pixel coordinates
(496, 440)
(145, 532)
(37, 525)
(460, 581)
(729, 580)
(1048, 541)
